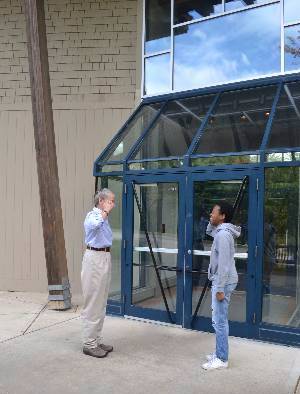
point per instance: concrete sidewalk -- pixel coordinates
(40, 352)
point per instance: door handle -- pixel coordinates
(191, 271)
(169, 268)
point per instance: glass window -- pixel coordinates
(158, 25)
(132, 132)
(238, 122)
(187, 10)
(211, 52)
(174, 130)
(206, 195)
(115, 184)
(234, 4)
(160, 209)
(291, 11)
(281, 273)
(292, 48)
(285, 131)
(157, 74)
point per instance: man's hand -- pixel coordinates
(220, 296)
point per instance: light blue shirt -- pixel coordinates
(98, 233)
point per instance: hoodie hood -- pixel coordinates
(235, 231)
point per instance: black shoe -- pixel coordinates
(106, 348)
(95, 352)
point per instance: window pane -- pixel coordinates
(160, 219)
(187, 10)
(157, 74)
(173, 133)
(158, 25)
(115, 184)
(234, 4)
(212, 52)
(132, 132)
(238, 122)
(281, 274)
(285, 131)
(291, 10)
(292, 48)
(206, 195)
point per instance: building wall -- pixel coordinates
(94, 52)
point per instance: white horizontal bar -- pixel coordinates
(196, 252)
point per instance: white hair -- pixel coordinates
(103, 194)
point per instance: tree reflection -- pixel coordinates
(292, 45)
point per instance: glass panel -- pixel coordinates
(283, 156)
(132, 132)
(285, 131)
(214, 160)
(115, 184)
(281, 275)
(175, 129)
(187, 10)
(157, 74)
(292, 48)
(234, 4)
(111, 167)
(153, 165)
(291, 10)
(206, 195)
(212, 52)
(160, 205)
(238, 122)
(158, 25)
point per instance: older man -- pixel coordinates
(96, 273)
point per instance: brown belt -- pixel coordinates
(98, 249)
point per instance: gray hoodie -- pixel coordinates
(221, 270)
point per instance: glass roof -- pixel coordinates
(224, 123)
(174, 130)
(238, 122)
(286, 124)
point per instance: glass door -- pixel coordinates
(239, 189)
(154, 252)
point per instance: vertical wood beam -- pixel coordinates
(54, 242)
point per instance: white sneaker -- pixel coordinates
(215, 363)
(210, 356)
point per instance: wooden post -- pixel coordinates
(54, 242)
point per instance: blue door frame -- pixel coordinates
(183, 314)
(249, 328)
(132, 310)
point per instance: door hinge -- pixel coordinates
(256, 251)
(124, 299)
(125, 188)
(124, 243)
(257, 184)
(254, 318)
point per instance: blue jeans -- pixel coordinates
(220, 320)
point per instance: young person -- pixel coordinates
(222, 272)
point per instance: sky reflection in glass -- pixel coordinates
(222, 49)
(291, 11)
(157, 74)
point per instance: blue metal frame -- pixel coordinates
(247, 328)
(186, 175)
(218, 90)
(148, 313)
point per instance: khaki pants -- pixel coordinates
(95, 281)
